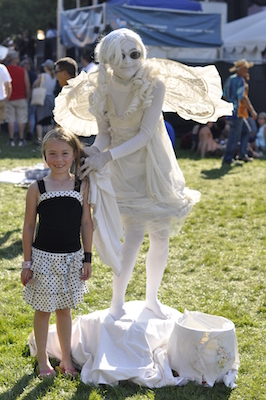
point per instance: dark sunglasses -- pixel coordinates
(134, 55)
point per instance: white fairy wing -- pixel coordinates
(71, 109)
(192, 92)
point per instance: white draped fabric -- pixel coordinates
(107, 225)
(145, 349)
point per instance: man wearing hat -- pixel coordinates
(236, 92)
(5, 84)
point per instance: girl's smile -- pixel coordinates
(59, 156)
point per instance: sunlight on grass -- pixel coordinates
(216, 265)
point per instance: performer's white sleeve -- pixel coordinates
(147, 128)
(103, 138)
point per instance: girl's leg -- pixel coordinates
(155, 264)
(41, 326)
(134, 236)
(64, 331)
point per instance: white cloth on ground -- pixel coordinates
(136, 348)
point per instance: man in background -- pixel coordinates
(17, 105)
(236, 92)
(65, 69)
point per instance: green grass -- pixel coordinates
(216, 265)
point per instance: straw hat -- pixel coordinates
(3, 52)
(241, 64)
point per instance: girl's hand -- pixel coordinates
(26, 275)
(86, 271)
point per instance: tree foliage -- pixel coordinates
(19, 15)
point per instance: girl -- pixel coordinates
(126, 97)
(55, 269)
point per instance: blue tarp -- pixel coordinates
(168, 28)
(82, 26)
(173, 4)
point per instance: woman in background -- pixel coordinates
(44, 115)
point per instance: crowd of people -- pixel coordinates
(239, 137)
(18, 77)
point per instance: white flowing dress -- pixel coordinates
(148, 183)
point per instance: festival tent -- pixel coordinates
(171, 33)
(245, 38)
(172, 4)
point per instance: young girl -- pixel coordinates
(55, 269)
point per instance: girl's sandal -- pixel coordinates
(68, 372)
(71, 373)
(46, 373)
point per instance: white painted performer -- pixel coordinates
(126, 96)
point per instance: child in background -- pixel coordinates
(260, 141)
(55, 269)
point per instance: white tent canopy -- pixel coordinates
(245, 38)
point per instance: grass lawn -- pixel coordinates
(216, 265)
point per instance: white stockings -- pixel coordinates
(155, 265)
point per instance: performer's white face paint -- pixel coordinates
(131, 61)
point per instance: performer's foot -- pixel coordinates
(117, 311)
(156, 307)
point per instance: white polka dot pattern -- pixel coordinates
(67, 193)
(58, 281)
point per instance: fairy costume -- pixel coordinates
(147, 180)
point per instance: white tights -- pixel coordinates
(155, 265)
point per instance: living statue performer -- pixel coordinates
(126, 96)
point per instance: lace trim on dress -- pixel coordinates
(63, 193)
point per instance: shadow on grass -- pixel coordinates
(13, 250)
(218, 173)
(122, 391)
(6, 236)
(17, 389)
(126, 389)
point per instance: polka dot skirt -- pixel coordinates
(58, 281)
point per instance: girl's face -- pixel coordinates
(131, 61)
(59, 156)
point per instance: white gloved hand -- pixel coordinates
(94, 162)
(90, 150)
